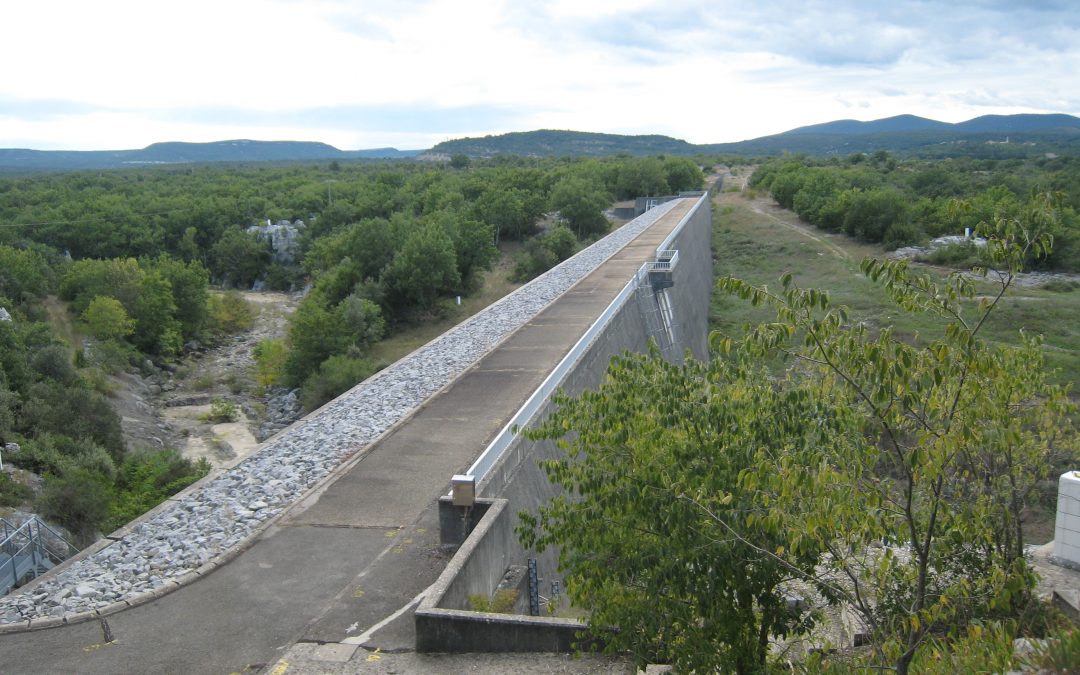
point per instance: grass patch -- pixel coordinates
(1060, 285)
(753, 246)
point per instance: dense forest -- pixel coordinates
(131, 255)
(880, 199)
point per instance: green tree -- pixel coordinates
(106, 319)
(156, 329)
(956, 435)
(238, 258)
(270, 358)
(891, 476)
(424, 267)
(363, 319)
(681, 173)
(79, 500)
(24, 274)
(655, 462)
(581, 204)
(316, 332)
(188, 283)
(335, 376)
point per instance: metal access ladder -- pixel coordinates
(29, 550)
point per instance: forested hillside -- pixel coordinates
(880, 199)
(128, 257)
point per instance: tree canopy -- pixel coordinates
(889, 476)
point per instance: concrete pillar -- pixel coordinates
(1067, 524)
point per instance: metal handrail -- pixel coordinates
(665, 261)
(507, 435)
(28, 539)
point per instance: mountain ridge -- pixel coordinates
(901, 133)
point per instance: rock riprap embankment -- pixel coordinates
(209, 521)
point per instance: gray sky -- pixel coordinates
(113, 74)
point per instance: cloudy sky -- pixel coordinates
(114, 74)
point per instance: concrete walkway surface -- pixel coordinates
(332, 583)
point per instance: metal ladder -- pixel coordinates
(29, 550)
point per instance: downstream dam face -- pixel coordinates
(666, 301)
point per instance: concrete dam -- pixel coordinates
(339, 533)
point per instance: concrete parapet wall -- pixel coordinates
(443, 620)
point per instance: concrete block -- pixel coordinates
(1069, 483)
(1067, 552)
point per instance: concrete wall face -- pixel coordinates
(1067, 522)
(518, 477)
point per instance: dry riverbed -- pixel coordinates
(171, 409)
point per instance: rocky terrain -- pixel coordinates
(166, 407)
(203, 526)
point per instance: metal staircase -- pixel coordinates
(29, 550)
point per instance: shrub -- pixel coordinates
(501, 603)
(229, 313)
(222, 410)
(335, 376)
(79, 500)
(270, 356)
(13, 493)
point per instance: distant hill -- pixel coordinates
(907, 134)
(997, 136)
(553, 143)
(15, 159)
(886, 125)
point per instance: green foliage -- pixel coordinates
(228, 313)
(581, 204)
(270, 358)
(891, 475)
(510, 212)
(874, 202)
(315, 333)
(146, 479)
(12, 492)
(658, 492)
(78, 500)
(544, 252)
(188, 283)
(363, 319)
(238, 258)
(424, 267)
(53, 362)
(222, 410)
(166, 299)
(956, 434)
(25, 275)
(336, 375)
(9, 401)
(106, 319)
(77, 412)
(501, 603)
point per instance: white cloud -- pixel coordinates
(123, 73)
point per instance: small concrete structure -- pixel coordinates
(1067, 523)
(444, 620)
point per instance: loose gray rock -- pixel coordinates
(205, 522)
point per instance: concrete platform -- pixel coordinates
(347, 563)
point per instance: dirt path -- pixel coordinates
(765, 206)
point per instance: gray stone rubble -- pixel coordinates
(203, 523)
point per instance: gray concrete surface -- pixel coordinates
(346, 559)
